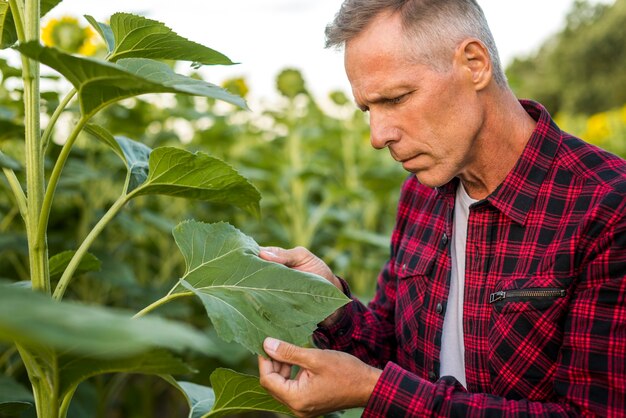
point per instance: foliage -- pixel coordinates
(604, 129)
(581, 68)
(56, 345)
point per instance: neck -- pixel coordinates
(499, 144)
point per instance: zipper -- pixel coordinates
(527, 293)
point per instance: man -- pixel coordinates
(504, 294)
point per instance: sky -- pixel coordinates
(265, 36)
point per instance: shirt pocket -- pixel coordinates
(525, 336)
(414, 276)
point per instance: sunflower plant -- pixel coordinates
(61, 343)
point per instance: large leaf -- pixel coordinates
(139, 37)
(246, 297)
(14, 397)
(105, 32)
(180, 173)
(88, 330)
(100, 83)
(232, 393)
(134, 154)
(76, 369)
(8, 34)
(59, 262)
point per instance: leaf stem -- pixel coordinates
(17, 10)
(65, 402)
(16, 187)
(46, 207)
(165, 299)
(84, 247)
(47, 133)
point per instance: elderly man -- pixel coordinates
(504, 294)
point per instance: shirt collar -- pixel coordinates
(515, 196)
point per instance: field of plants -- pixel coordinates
(115, 206)
(133, 196)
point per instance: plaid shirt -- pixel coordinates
(545, 292)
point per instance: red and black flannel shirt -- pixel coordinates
(556, 225)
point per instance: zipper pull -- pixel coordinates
(494, 297)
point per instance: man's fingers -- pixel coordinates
(276, 255)
(286, 352)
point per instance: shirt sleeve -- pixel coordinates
(367, 332)
(590, 375)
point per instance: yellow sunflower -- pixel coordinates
(67, 34)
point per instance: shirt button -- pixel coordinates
(432, 376)
(444, 239)
(439, 308)
(404, 268)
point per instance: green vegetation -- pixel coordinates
(580, 70)
(89, 200)
(66, 199)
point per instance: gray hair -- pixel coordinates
(438, 24)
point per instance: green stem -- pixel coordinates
(84, 247)
(65, 403)
(16, 187)
(44, 380)
(165, 299)
(47, 133)
(46, 206)
(17, 10)
(37, 246)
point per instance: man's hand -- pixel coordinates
(301, 259)
(327, 380)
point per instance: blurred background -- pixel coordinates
(303, 144)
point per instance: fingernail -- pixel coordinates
(271, 344)
(269, 254)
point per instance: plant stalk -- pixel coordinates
(84, 247)
(16, 187)
(47, 133)
(165, 299)
(38, 248)
(46, 206)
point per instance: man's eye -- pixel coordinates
(396, 100)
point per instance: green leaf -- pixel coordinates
(59, 262)
(107, 138)
(100, 83)
(246, 297)
(134, 154)
(232, 393)
(8, 34)
(88, 330)
(139, 37)
(8, 162)
(200, 398)
(76, 369)
(14, 398)
(105, 32)
(180, 173)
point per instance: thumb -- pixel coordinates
(285, 352)
(275, 254)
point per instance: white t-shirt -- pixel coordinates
(452, 357)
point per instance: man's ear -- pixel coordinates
(472, 55)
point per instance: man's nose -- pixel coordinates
(382, 132)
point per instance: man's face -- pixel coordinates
(428, 119)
